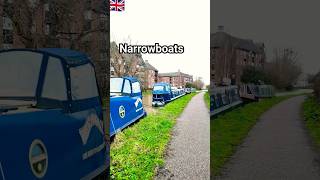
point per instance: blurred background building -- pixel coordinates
(230, 55)
(80, 25)
(177, 79)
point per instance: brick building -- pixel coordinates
(230, 55)
(84, 27)
(151, 75)
(177, 79)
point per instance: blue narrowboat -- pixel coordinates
(163, 93)
(255, 92)
(50, 116)
(223, 98)
(188, 90)
(126, 104)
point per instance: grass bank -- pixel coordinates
(146, 92)
(230, 129)
(311, 113)
(207, 99)
(139, 149)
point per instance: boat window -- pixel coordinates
(136, 87)
(19, 73)
(83, 82)
(126, 87)
(116, 85)
(158, 88)
(54, 86)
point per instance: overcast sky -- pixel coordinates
(168, 22)
(277, 23)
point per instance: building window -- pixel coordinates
(88, 15)
(47, 29)
(103, 55)
(7, 36)
(88, 4)
(6, 46)
(7, 7)
(86, 46)
(7, 23)
(103, 25)
(103, 45)
(46, 7)
(87, 25)
(47, 18)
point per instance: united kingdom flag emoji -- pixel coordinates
(117, 5)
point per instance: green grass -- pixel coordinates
(104, 103)
(146, 92)
(230, 129)
(311, 113)
(207, 99)
(139, 149)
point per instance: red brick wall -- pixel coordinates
(224, 63)
(177, 81)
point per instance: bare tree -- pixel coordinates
(125, 64)
(75, 24)
(22, 13)
(284, 69)
(64, 17)
(73, 27)
(198, 83)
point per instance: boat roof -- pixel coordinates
(130, 78)
(161, 84)
(70, 57)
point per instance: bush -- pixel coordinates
(316, 86)
(254, 75)
(284, 69)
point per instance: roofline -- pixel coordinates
(175, 74)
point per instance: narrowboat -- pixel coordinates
(126, 105)
(255, 92)
(50, 116)
(223, 98)
(163, 93)
(188, 90)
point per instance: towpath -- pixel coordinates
(188, 154)
(276, 148)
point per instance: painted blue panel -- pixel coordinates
(60, 134)
(72, 133)
(223, 98)
(125, 109)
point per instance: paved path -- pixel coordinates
(188, 154)
(295, 92)
(276, 148)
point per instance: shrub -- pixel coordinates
(316, 86)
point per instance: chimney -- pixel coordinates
(220, 28)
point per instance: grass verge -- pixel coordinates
(311, 113)
(207, 99)
(147, 92)
(139, 149)
(230, 129)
